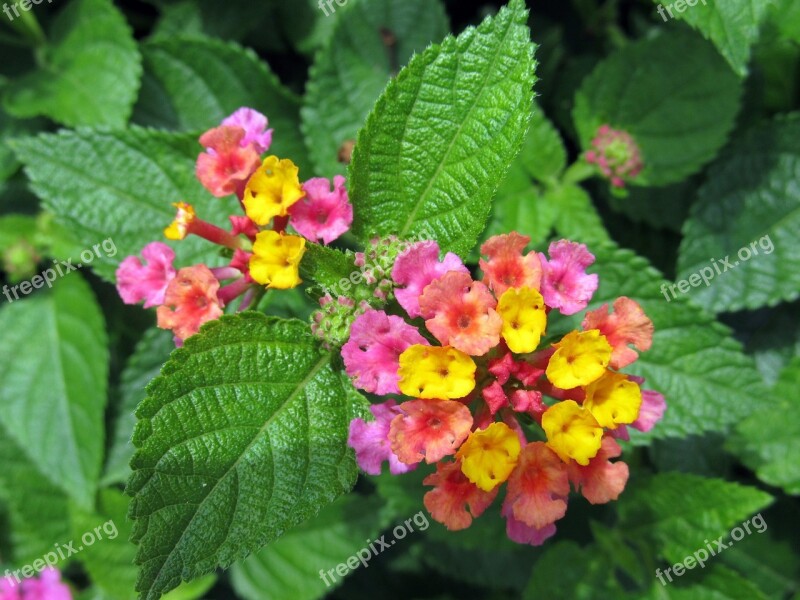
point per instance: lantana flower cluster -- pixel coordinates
(486, 397)
(261, 252)
(616, 154)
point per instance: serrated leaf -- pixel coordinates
(327, 266)
(370, 42)
(543, 154)
(708, 382)
(205, 80)
(731, 24)
(576, 216)
(769, 440)
(663, 103)
(38, 511)
(145, 363)
(676, 512)
(120, 186)
(54, 383)
(90, 74)
(441, 137)
(719, 584)
(242, 437)
(290, 566)
(748, 212)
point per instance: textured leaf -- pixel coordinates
(372, 39)
(543, 154)
(242, 437)
(677, 512)
(290, 566)
(719, 584)
(731, 24)
(120, 184)
(91, 70)
(749, 210)
(663, 103)
(205, 80)
(772, 336)
(576, 216)
(151, 353)
(709, 384)
(442, 135)
(769, 440)
(327, 266)
(54, 383)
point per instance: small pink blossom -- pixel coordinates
(652, 410)
(255, 128)
(226, 166)
(323, 214)
(148, 281)
(372, 354)
(521, 533)
(601, 480)
(48, 586)
(416, 268)
(370, 440)
(565, 283)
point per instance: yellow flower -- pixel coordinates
(436, 372)
(613, 400)
(276, 259)
(489, 455)
(572, 432)
(272, 189)
(178, 229)
(581, 357)
(524, 318)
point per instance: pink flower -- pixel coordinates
(601, 480)
(225, 167)
(507, 267)
(47, 587)
(372, 354)
(190, 300)
(370, 440)
(652, 410)
(538, 487)
(453, 494)
(628, 325)
(460, 313)
(137, 281)
(255, 128)
(416, 268)
(565, 283)
(322, 214)
(517, 531)
(429, 429)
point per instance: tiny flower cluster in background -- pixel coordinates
(48, 586)
(616, 154)
(263, 254)
(485, 399)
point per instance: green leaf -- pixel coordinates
(732, 25)
(676, 513)
(290, 566)
(90, 74)
(145, 363)
(441, 137)
(205, 80)
(576, 216)
(772, 337)
(708, 383)
(242, 437)
(663, 102)
(372, 39)
(543, 153)
(327, 266)
(109, 559)
(748, 212)
(719, 584)
(54, 383)
(568, 572)
(121, 184)
(38, 512)
(769, 440)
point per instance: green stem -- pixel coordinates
(28, 26)
(579, 171)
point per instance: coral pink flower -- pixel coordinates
(455, 500)
(538, 487)
(137, 281)
(628, 325)
(460, 313)
(652, 410)
(372, 354)
(507, 267)
(601, 480)
(370, 440)
(565, 284)
(190, 300)
(226, 166)
(255, 129)
(243, 225)
(521, 533)
(418, 266)
(429, 429)
(323, 214)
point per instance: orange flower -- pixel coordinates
(190, 300)
(506, 266)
